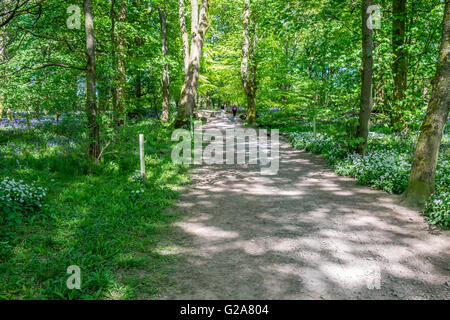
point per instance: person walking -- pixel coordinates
(222, 114)
(234, 109)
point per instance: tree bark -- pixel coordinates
(185, 38)
(3, 46)
(119, 60)
(165, 74)
(400, 63)
(91, 103)
(366, 99)
(3, 49)
(9, 115)
(114, 58)
(194, 16)
(184, 35)
(189, 90)
(248, 64)
(423, 170)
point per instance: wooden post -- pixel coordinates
(142, 157)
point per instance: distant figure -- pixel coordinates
(234, 109)
(222, 114)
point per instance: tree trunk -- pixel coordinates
(165, 75)
(179, 122)
(138, 87)
(91, 103)
(9, 115)
(119, 60)
(399, 66)
(189, 90)
(366, 99)
(248, 65)
(2, 47)
(3, 57)
(114, 60)
(421, 181)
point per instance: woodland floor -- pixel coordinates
(304, 233)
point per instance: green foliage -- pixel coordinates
(308, 61)
(346, 133)
(437, 209)
(386, 170)
(18, 198)
(288, 120)
(95, 220)
(386, 166)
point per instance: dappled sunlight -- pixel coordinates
(304, 233)
(211, 233)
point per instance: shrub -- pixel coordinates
(386, 166)
(386, 170)
(322, 144)
(437, 209)
(17, 198)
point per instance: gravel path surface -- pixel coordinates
(304, 233)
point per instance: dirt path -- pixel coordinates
(305, 233)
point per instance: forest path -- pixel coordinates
(304, 233)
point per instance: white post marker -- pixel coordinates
(141, 151)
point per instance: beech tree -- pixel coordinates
(192, 54)
(400, 63)
(423, 170)
(248, 63)
(3, 57)
(366, 99)
(165, 74)
(91, 86)
(118, 55)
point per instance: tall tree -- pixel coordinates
(423, 170)
(118, 58)
(199, 27)
(184, 34)
(185, 40)
(3, 57)
(248, 63)
(366, 98)
(165, 73)
(91, 87)
(400, 64)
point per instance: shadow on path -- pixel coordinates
(305, 233)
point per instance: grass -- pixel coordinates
(92, 217)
